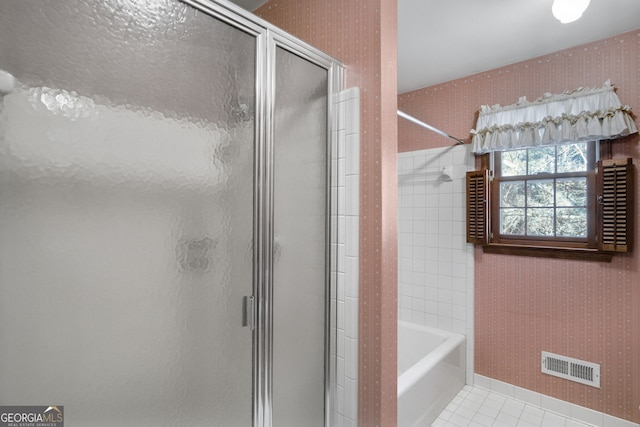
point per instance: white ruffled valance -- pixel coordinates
(585, 114)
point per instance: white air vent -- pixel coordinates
(571, 369)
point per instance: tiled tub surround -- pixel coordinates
(435, 264)
(346, 158)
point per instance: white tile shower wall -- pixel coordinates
(345, 252)
(435, 264)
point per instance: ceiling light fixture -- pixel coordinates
(569, 10)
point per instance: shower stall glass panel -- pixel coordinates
(126, 212)
(300, 280)
(161, 162)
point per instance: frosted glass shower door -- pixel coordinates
(300, 227)
(126, 212)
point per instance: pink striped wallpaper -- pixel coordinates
(587, 310)
(363, 35)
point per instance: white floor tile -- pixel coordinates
(459, 421)
(574, 423)
(471, 405)
(466, 412)
(477, 395)
(513, 408)
(477, 407)
(504, 418)
(532, 415)
(497, 399)
(528, 423)
(482, 420)
(492, 403)
(489, 412)
(553, 420)
(446, 414)
(439, 423)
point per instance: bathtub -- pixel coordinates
(431, 371)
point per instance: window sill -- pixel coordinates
(549, 252)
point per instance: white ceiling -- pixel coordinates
(442, 40)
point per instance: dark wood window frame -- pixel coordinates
(610, 216)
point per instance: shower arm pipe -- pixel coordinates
(428, 126)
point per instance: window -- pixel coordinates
(543, 195)
(556, 201)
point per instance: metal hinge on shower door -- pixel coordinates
(248, 310)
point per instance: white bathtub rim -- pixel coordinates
(435, 331)
(412, 375)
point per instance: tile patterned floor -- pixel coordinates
(477, 407)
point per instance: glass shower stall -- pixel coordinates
(165, 199)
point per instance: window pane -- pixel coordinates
(571, 222)
(540, 222)
(542, 160)
(540, 193)
(512, 221)
(512, 194)
(572, 158)
(514, 163)
(571, 192)
(540, 200)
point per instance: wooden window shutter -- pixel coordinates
(478, 207)
(615, 205)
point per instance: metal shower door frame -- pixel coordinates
(268, 39)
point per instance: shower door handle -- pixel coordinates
(248, 310)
